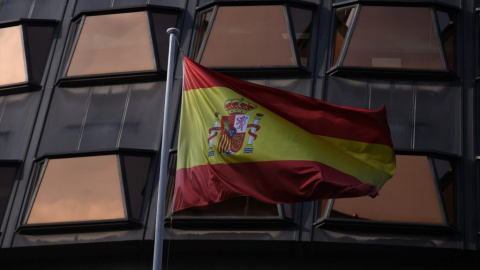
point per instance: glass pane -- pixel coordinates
(302, 23)
(343, 21)
(322, 208)
(62, 131)
(113, 43)
(7, 175)
(410, 196)
(79, 189)
(202, 26)
(248, 36)
(394, 37)
(17, 118)
(12, 58)
(446, 22)
(142, 127)
(136, 174)
(161, 22)
(39, 40)
(445, 176)
(240, 206)
(103, 118)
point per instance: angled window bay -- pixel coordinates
(113, 43)
(24, 48)
(273, 37)
(95, 190)
(118, 47)
(421, 192)
(393, 39)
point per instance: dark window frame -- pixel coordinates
(391, 227)
(77, 22)
(256, 71)
(127, 223)
(31, 83)
(337, 68)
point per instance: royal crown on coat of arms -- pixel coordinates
(238, 106)
(233, 128)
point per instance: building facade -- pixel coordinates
(82, 89)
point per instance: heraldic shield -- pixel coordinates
(233, 132)
(234, 128)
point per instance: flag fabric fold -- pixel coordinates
(241, 139)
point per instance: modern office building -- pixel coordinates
(82, 89)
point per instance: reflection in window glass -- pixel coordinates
(248, 36)
(394, 37)
(7, 175)
(79, 189)
(410, 196)
(113, 43)
(302, 24)
(12, 57)
(446, 22)
(343, 21)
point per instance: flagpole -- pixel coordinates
(163, 177)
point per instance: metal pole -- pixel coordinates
(162, 179)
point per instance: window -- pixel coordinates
(393, 38)
(119, 46)
(12, 58)
(240, 207)
(270, 36)
(93, 189)
(420, 192)
(111, 44)
(24, 47)
(8, 171)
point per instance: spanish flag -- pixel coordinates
(241, 139)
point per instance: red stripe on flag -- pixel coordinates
(298, 181)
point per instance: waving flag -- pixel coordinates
(242, 139)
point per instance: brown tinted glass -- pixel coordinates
(113, 43)
(410, 196)
(394, 37)
(248, 36)
(302, 24)
(79, 189)
(240, 206)
(12, 57)
(446, 22)
(343, 21)
(7, 175)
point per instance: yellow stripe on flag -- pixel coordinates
(277, 140)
